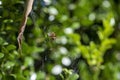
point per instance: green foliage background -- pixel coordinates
(87, 35)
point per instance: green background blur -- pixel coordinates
(87, 44)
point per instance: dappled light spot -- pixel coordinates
(66, 61)
(33, 76)
(62, 40)
(63, 50)
(47, 2)
(92, 16)
(68, 30)
(118, 75)
(71, 6)
(106, 4)
(51, 17)
(57, 69)
(53, 11)
(0, 2)
(112, 21)
(118, 56)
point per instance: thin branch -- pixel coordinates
(27, 11)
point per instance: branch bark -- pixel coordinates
(27, 11)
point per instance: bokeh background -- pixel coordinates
(85, 42)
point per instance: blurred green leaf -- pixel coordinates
(28, 61)
(40, 75)
(10, 47)
(9, 64)
(1, 40)
(73, 77)
(20, 77)
(1, 55)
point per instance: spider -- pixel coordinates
(52, 35)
